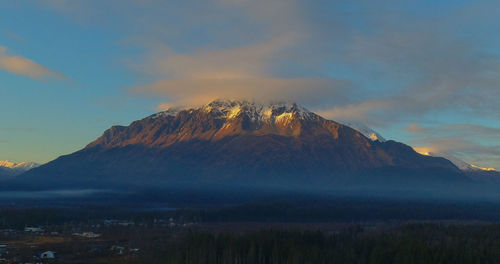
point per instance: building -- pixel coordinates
(87, 234)
(33, 230)
(3, 249)
(118, 249)
(48, 255)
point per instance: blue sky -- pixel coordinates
(422, 72)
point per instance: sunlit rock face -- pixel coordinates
(212, 122)
(236, 142)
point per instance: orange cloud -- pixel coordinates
(26, 67)
(192, 92)
(235, 73)
(414, 128)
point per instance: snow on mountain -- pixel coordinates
(21, 167)
(168, 112)
(276, 111)
(280, 112)
(365, 130)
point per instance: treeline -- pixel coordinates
(346, 210)
(20, 218)
(418, 243)
(292, 210)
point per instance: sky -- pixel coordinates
(426, 73)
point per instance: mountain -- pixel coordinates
(239, 143)
(10, 169)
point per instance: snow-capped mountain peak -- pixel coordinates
(256, 111)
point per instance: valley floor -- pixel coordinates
(300, 230)
(169, 241)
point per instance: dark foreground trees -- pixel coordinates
(419, 243)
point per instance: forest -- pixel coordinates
(413, 243)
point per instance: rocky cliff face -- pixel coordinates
(228, 142)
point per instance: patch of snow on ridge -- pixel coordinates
(284, 118)
(365, 130)
(168, 112)
(234, 112)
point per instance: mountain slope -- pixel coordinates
(239, 142)
(471, 170)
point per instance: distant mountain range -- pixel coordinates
(373, 135)
(490, 175)
(473, 171)
(241, 143)
(10, 169)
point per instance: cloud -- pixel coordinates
(418, 65)
(477, 144)
(427, 66)
(414, 128)
(356, 111)
(239, 62)
(458, 130)
(236, 73)
(26, 67)
(14, 36)
(468, 150)
(191, 92)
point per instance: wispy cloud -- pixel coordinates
(362, 111)
(469, 130)
(474, 143)
(239, 62)
(14, 36)
(26, 67)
